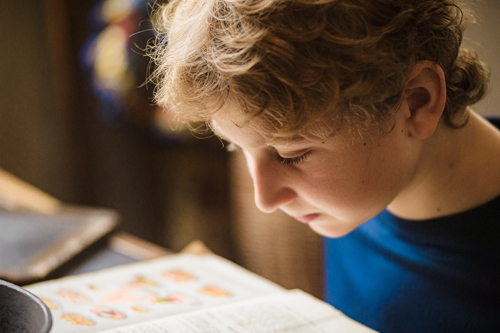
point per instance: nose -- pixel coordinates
(270, 185)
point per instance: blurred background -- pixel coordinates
(77, 122)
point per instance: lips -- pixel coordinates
(306, 218)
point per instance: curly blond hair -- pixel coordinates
(293, 66)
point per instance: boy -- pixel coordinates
(354, 118)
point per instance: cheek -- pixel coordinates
(337, 187)
(362, 185)
(388, 170)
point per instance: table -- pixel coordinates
(116, 249)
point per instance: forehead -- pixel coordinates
(229, 120)
(228, 129)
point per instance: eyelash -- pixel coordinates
(292, 160)
(283, 160)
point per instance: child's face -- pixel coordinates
(333, 185)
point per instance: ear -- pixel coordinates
(425, 95)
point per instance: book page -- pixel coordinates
(290, 312)
(147, 290)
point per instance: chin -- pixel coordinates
(331, 230)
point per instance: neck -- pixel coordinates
(457, 171)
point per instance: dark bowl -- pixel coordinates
(21, 311)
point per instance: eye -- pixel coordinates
(231, 147)
(292, 160)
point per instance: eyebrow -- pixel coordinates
(288, 141)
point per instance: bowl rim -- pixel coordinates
(47, 324)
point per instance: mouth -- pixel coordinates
(306, 218)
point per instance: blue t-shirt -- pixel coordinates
(438, 275)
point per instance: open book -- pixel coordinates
(184, 293)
